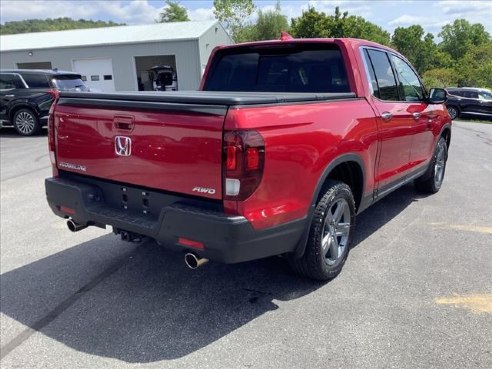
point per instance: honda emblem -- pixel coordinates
(123, 145)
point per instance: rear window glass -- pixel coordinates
(69, 83)
(299, 68)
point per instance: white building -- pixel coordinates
(118, 58)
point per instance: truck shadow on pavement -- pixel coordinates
(148, 306)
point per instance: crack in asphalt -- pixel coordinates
(25, 173)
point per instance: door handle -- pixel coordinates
(416, 115)
(386, 116)
(124, 122)
(9, 95)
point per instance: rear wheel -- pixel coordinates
(431, 182)
(330, 234)
(453, 112)
(26, 123)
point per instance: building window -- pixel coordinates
(95, 78)
(108, 77)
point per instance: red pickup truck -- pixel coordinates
(283, 145)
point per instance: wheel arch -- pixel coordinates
(347, 168)
(14, 109)
(446, 133)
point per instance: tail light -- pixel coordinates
(51, 131)
(244, 159)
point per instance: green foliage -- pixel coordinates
(475, 68)
(233, 14)
(461, 36)
(310, 24)
(58, 24)
(173, 12)
(318, 24)
(440, 77)
(420, 50)
(267, 27)
(270, 24)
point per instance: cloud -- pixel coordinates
(134, 12)
(429, 24)
(461, 8)
(15, 10)
(201, 14)
(130, 12)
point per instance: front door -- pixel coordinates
(395, 129)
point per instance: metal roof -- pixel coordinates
(106, 36)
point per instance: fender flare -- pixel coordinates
(443, 128)
(301, 246)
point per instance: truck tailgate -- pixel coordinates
(168, 146)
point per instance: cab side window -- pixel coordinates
(383, 80)
(410, 86)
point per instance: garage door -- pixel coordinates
(96, 73)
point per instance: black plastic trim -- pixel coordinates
(228, 98)
(337, 161)
(144, 105)
(228, 239)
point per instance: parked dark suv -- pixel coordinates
(25, 97)
(468, 100)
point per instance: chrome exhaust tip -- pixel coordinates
(193, 262)
(75, 227)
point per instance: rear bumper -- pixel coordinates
(227, 239)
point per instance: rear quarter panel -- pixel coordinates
(300, 142)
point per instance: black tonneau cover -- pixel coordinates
(209, 97)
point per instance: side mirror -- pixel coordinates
(438, 96)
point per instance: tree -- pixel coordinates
(440, 77)
(420, 49)
(317, 24)
(269, 24)
(233, 14)
(173, 12)
(476, 67)
(461, 36)
(310, 24)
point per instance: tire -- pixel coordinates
(431, 182)
(326, 251)
(453, 111)
(26, 123)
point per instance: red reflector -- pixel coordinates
(231, 158)
(66, 210)
(252, 158)
(190, 243)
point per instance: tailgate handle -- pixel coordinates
(124, 122)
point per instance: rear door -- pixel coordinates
(10, 85)
(395, 127)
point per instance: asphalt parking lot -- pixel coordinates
(416, 291)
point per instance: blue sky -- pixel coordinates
(432, 15)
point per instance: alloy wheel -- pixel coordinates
(336, 230)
